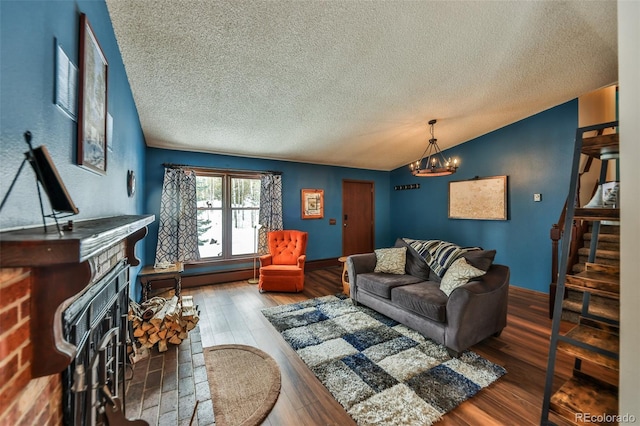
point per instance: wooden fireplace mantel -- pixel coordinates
(60, 269)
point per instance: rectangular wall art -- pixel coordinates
(92, 109)
(479, 198)
(312, 203)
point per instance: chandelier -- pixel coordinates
(432, 162)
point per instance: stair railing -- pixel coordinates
(579, 228)
(577, 237)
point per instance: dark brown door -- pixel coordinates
(357, 217)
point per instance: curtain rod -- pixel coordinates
(184, 166)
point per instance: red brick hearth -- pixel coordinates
(22, 401)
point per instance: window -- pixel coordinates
(228, 209)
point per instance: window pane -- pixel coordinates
(245, 192)
(210, 233)
(209, 190)
(243, 231)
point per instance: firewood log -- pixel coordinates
(167, 310)
(154, 338)
(175, 340)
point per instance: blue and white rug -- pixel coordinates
(380, 371)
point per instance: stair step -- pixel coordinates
(596, 300)
(593, 146)
(608, 238)
(597, 214)
(581, 395)
(607, 294)
(572, 308)
(595, 282)
(601, 254)
(609, 242)
(604, 245)
(606, 229)
(602, 260)
(608, 269)
(596, 334)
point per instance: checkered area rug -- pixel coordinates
(380, 371)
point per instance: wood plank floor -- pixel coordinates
(230, 313)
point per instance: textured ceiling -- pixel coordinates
(354, 83)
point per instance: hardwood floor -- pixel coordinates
(230, 313)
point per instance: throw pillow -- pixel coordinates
(481, 259)
(391, 260)
(416, 265)
(459, 273)
(439, 254)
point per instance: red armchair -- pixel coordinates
(283, 268)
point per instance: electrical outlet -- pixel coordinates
(537, 197)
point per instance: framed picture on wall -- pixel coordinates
(312, 203)
(92, 101)
(479, 198)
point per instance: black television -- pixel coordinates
(50, 180)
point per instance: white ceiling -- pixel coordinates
(354, 83)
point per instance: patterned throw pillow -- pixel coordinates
(459, 273)
(438, 254)
(391, 260)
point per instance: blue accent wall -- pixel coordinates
(325, 241)
(535, 154)
(29, 33)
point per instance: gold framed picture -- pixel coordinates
(312, 203)
(479, 198)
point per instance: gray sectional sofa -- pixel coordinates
(474, 311)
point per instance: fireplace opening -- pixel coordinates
(96, 323)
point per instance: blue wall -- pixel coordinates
(325, 241)
(535, 154)
(29, 33)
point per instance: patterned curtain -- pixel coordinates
(270, 216)
(178, 232)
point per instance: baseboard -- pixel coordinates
(322, 264)
(532, 292)
(197, 280)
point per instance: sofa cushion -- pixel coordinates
(424, 298)
(381, 284)
(391, 260)
(281, 270)
(459, 274)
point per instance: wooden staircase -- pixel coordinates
(593, 293)
(607, 253)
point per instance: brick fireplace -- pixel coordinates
(23, 401)
(45, 280)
